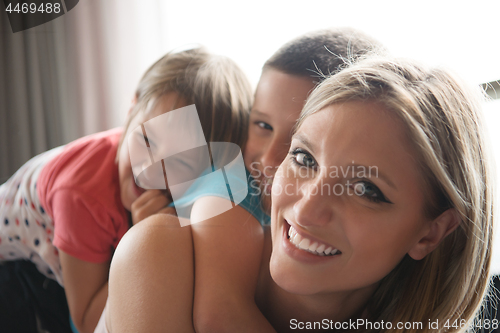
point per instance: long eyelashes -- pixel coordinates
(370, 191)
(362, 188)
(302, 158)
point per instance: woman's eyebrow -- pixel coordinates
(304, 141)
(377, 175)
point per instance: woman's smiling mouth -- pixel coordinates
(306, 244)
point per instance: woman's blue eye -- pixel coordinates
(369, 191)
(264, 125)
(303, 159)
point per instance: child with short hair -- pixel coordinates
(287, 78)
(66, 210)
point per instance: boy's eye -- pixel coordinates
(369, 191)
(264, 125)
(303, 158)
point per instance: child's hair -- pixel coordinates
(215, 84)
(444, 123)
(322, 52)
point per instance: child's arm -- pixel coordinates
(149, 203)
(228, 250)
(86, 287)
(86, 283)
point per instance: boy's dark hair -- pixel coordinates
(322, 52)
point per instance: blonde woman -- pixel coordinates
(382, 217)
(411, 239)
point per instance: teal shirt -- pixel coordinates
(215, 184)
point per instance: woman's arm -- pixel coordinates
(86, 288)
(152, 274)
(151, 278)
(228, 250)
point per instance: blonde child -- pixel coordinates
(67, 209)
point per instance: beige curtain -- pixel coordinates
(30, 98)
(67, 78)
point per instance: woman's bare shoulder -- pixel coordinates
(150, 236)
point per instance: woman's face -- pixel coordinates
(279, 98)
(350, 193)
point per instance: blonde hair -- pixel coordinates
(215, 84)
(444, 122)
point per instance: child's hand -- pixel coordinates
(149, 203)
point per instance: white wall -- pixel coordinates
(458, 34)
(492, 115)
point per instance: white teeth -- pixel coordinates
(307, 245)
(297, 238)
(304, 244)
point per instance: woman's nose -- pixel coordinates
(315, 205)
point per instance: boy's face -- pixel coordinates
(279, 98)
(128, 188)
